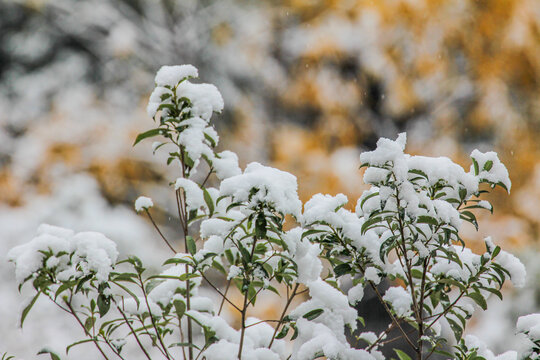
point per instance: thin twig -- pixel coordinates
(224, 296)
(289, 300)
(72, 311)
(133, 332)
(159, 231)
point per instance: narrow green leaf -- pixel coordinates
(51, 353)
(367, 198)
(424, 219)
(495, 291)
(495, 252)
(210, 140)
(370, 222)
(216, 265)
(488, 165)
(458, 331)
(260, 226)
(89, 323)
(416, 273)
(342, 269)
(479, 299)
(295, 334)
(190, 243)
(29, 307)
(313, 314)
(104, 304)
(476, 168)
(401, 355)
(183, 344)
(209, 202)
(283, 332)
(312, 232)
(147, 134)
(179, 308)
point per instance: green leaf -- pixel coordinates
(476, 168)
(177, 261)
(283, 332)
(216, 265)
(313, 314)
(209, 202)
(183, 344)
(342, 269)
(495, 291)
(488, 165)
(462, 193)
(246, 256)
(367, 198)
(190, 243)
(147, 134)
(229, 256)
(52, 354)
(479, 299)
(419, 172)
(424, 219)
(28, 308)
(124, 277)
(453, 282)
(89, 323)
(495, 252)
(210, 140)
(295, 334)
(416, 273)
(458, 331)
(401, 355)
(311, 232)
(104, 304)
(503, 186)
(260, 226)
(179, 308)
(372, 221)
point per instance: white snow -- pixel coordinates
(323, 208)
(194, 194)
(372, 274)
(263, 184)
(355, 294)
(86, 252)
(400, 300)
(143, 203)
(515, 267)
(497, 173)
(226, 165)
(171, 75)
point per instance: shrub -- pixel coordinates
(405, 229)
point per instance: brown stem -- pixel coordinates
(392, 315)
(445, 311)
(72, 311)
(224, 296)
(220, 293)
(182, 212)
(207, 177)
(154, 325)
(289, 301)
(381, 336)
(246, 302)
(133, 332)
(243, 331)
(159, 231)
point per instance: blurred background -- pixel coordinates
(308, 85)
